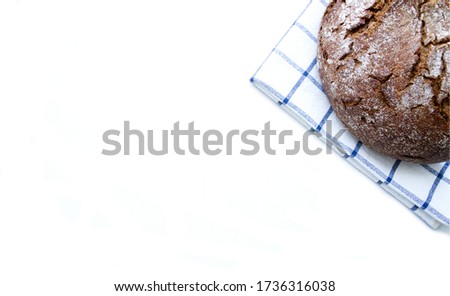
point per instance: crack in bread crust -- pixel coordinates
(384, 67)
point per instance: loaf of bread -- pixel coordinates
(385, 67)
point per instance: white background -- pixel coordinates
(74, 222)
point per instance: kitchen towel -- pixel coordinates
(290, 77)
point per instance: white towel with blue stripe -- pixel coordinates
(290, 77)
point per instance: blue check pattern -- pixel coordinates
(290, 77)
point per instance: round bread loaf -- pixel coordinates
(385, 67)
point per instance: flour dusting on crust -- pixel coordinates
(385, 66)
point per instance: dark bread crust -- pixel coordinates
(385, 66)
